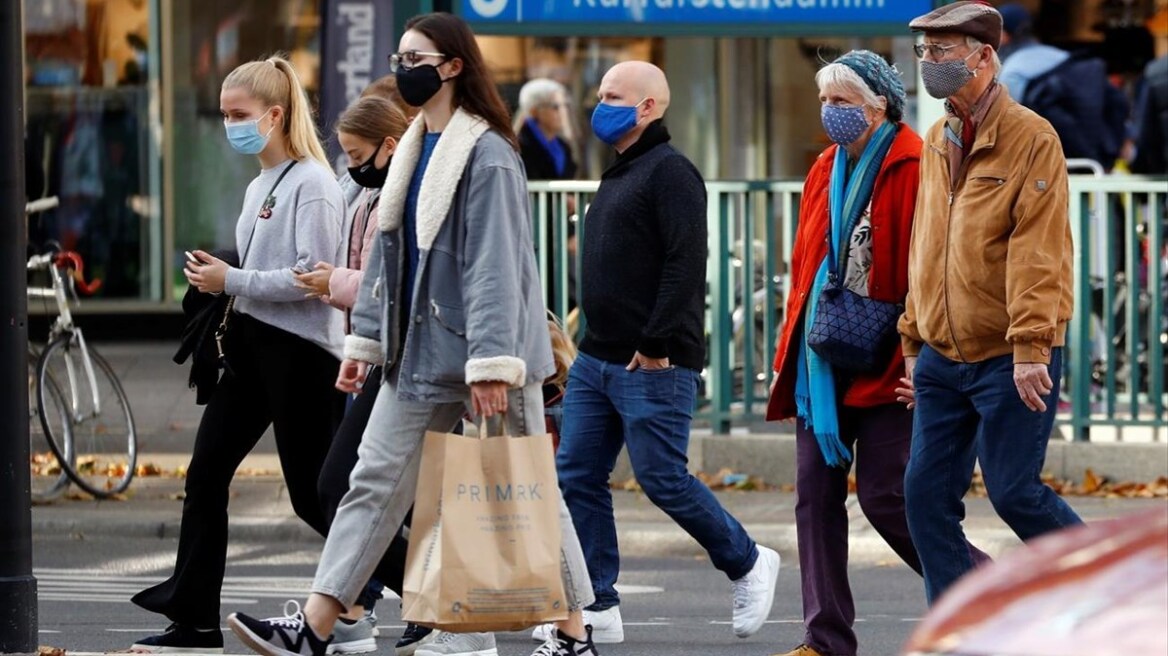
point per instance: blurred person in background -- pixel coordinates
(544, 132)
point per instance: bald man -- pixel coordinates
(636, 379)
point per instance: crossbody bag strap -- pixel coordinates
(221, 331)
(267, 198)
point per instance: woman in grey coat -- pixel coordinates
(455, 317)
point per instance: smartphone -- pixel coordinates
(192, 259)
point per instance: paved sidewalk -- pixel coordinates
(167, 418)
(260, 511)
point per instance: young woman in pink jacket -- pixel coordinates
(368, 132)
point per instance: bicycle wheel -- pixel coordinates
(105, 447)
(47, 478)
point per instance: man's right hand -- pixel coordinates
(907, 394)
(351, 377)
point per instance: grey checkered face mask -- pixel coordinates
(944, 79)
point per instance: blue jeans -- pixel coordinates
(649, 411)
(966, 411)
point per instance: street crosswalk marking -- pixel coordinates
(102, 586)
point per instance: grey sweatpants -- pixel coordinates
(382, 486)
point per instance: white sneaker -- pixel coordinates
(607, 627)
(755, 592)
(460, 644)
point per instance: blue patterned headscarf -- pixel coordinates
(881, 78)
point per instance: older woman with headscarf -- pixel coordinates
(860, 195)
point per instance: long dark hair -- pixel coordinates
(474, 88)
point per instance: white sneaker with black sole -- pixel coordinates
(279, 636)
(607, 627)
(755, 593)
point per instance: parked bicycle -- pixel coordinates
(84, 415)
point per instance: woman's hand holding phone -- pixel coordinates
(316, 282)
(207, 273)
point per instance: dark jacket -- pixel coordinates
(1152, 120)
(645, 257)
(204, 312)
(538, 162)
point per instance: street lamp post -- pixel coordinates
(18, 607)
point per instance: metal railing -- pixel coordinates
(1119, 228)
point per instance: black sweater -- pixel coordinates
(645, 257)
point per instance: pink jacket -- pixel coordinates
(346, 281)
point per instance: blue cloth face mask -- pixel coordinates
(611, 122)
(844, 123)
(245, 136)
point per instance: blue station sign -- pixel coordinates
(697, 16)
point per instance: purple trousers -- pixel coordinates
(879, 437)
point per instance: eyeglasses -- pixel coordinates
(937, 51)
(410, 59)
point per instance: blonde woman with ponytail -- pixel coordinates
(281, 348)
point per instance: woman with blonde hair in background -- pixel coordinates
(281, 350)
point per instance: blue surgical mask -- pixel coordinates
(245, 136)
(611, 122)
(844, 123)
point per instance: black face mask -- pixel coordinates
(418, 84)
(368, 175)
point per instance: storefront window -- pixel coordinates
(87, 70)
(211, 38)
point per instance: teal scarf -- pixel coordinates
(815, 393)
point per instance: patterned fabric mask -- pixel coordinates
(944, 79)
(844, 123)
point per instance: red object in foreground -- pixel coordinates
(1088, 590)
(72, 261)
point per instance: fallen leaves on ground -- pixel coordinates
(45, 650)
(1093, 485)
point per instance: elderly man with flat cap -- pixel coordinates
(636, 379)
(989, 298)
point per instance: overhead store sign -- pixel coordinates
(773, 15)
(354, 33)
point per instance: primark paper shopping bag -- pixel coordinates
(484, 550)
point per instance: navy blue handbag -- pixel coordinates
(852, 332)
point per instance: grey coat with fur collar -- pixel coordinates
(477, 312)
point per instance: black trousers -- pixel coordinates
(276, 379)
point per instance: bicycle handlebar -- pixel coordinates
(71, 260)
(66, 260)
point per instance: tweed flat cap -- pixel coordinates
(976, 19)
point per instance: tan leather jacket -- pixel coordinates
(990, 262)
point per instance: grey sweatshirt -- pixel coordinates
(305, 227)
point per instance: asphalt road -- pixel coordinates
(671, 607)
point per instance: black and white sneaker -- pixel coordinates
(413, 637)
(181, 639)
(562, 644)
(279, 636)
